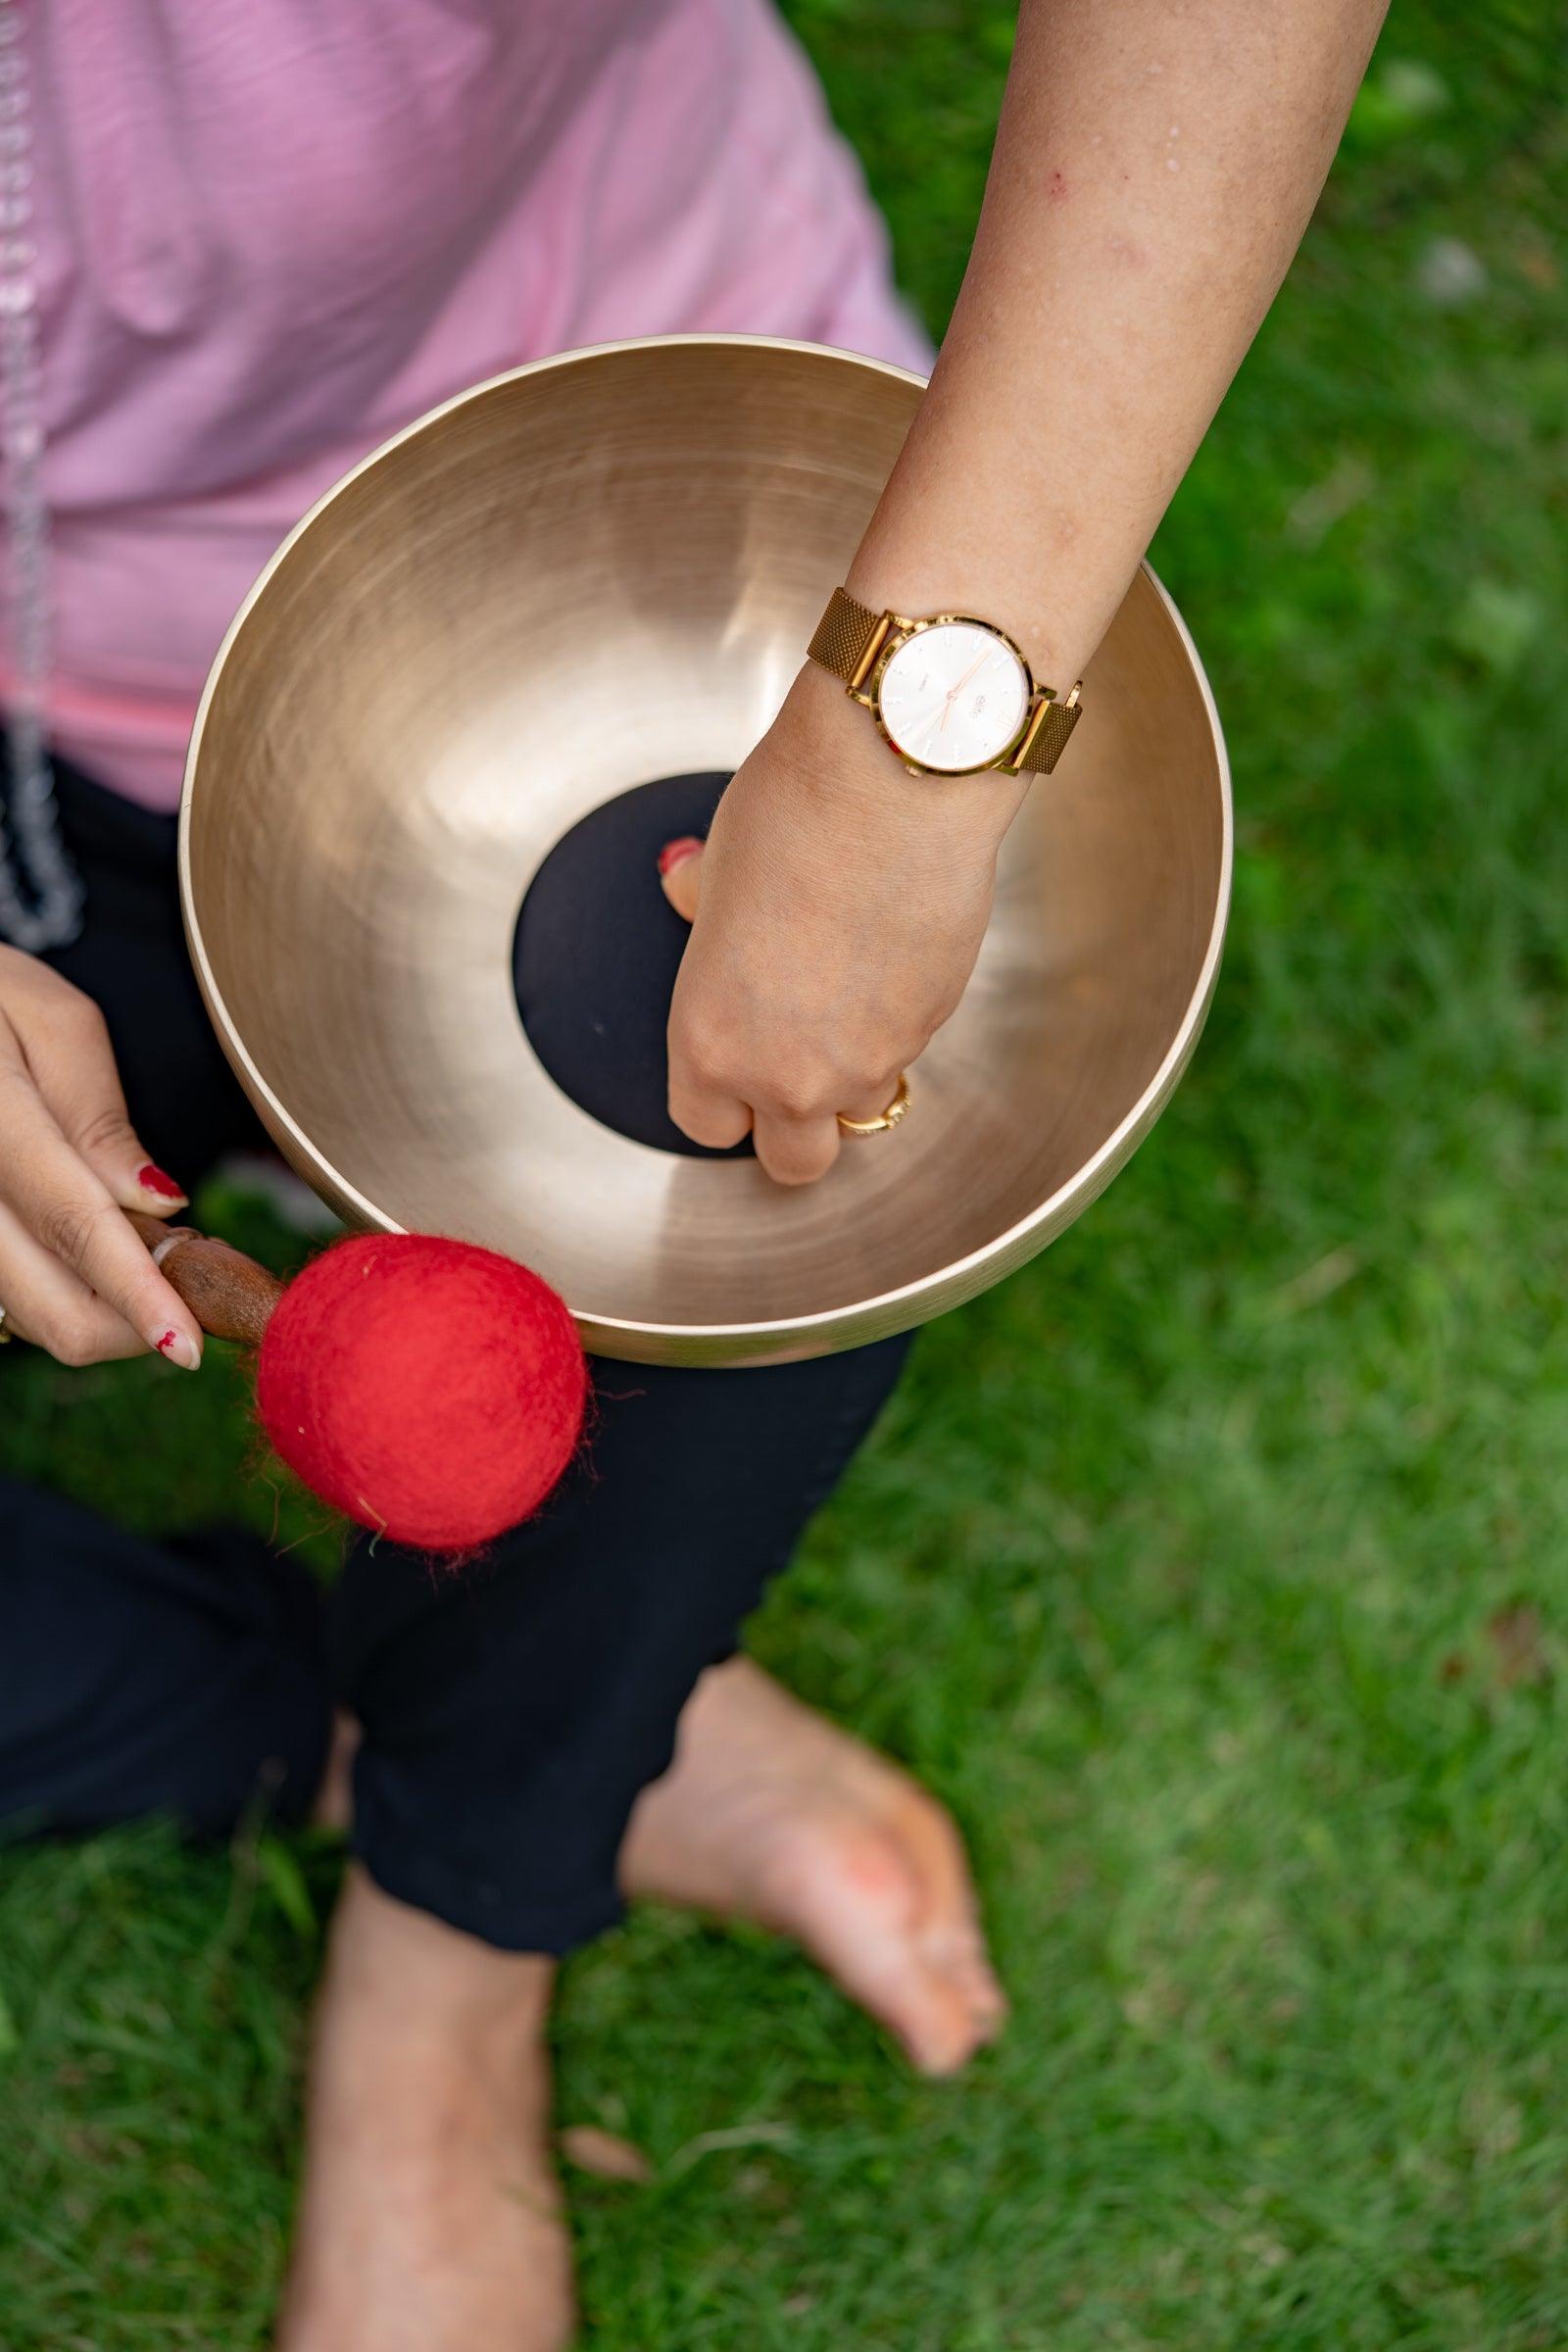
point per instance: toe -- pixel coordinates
(944, 2042)
(870, 1921)
(940, 2020)
(772, 1814)
(974, 1971)
(964, 2004)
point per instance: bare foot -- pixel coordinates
(430, 2219)
(772, 1813)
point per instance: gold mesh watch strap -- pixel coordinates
(1047, 739)
(849, 636)
(845, 635)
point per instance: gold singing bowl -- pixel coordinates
(588, 573)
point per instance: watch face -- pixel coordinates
(952, 696)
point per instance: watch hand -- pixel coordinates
(953, 692)
(926, 721)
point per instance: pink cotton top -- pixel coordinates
(273, 232)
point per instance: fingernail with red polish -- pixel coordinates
(160, 1185)
(675, 852)
(178, 1349)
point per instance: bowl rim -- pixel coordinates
(881, 1313)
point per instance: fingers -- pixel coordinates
(680, 866)
(67, 1052)
(872, 1102)
(708, 1115)
(706, 1112)
(798, 1145)
(52, 1307)
(797, 1139)
(66, 1210)
(793, 1150)
(796, 1150)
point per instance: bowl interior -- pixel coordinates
(594, 573)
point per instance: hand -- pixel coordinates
(839, 907)
(74, 1277)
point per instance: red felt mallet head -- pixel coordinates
(429, 1389)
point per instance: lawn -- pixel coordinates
(1215, 1569)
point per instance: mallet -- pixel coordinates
(425, 1387)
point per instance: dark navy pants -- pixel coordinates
(511, 1714)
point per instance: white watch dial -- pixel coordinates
(954, 696)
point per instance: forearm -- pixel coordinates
(1154, 172)
(1154, 167)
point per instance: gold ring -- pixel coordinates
(6, 1336)
(890, 1118)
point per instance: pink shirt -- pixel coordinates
(272, 231)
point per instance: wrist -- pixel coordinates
(843, 759)
(1053, 639)
(951, 692)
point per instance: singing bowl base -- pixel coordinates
(596, 571)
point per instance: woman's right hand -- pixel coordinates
(74, 1275)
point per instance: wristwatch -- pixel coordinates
(952, 695)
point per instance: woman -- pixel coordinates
(264, 238)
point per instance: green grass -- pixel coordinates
(1215, 1569)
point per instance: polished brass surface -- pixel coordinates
(596, 570)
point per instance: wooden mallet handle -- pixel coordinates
(229, 1295)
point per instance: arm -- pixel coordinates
(1154, 168)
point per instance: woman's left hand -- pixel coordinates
(839, 907)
